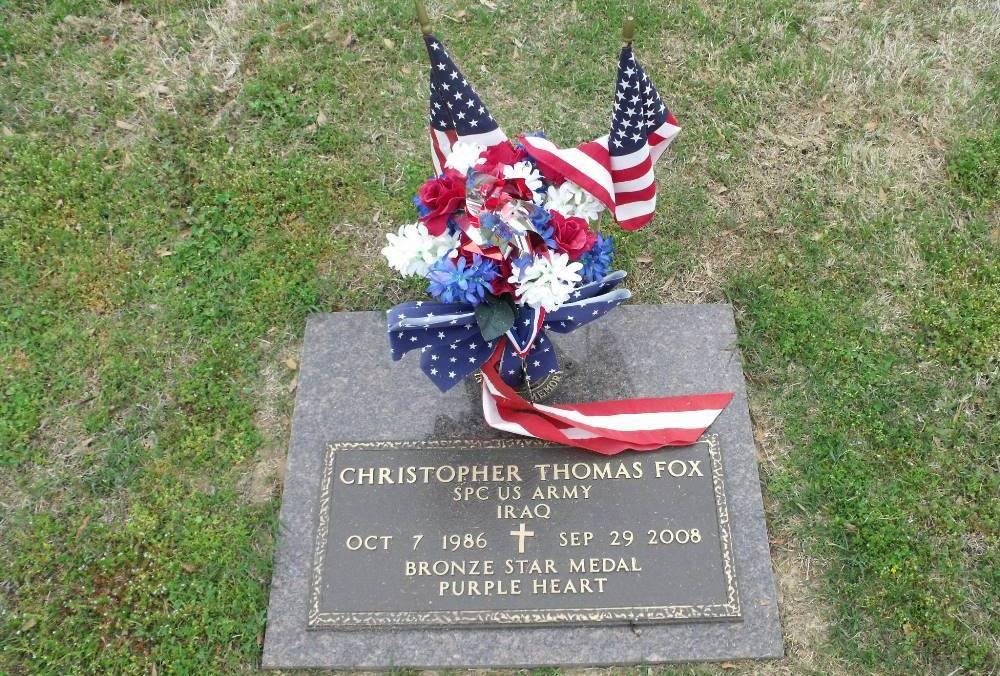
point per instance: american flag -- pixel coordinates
(618, 169)
(456, 111)
(606, 427)
(451, 346)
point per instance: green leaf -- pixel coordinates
(495, 317)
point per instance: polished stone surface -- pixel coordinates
(349, 390)
(515, 532)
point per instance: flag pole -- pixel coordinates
(425, 23)
(628, 30)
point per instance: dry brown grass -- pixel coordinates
(162, 64)
(277, 381)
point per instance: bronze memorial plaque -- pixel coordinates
(451, 533)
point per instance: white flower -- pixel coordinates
(569, 199)
(464, 156)
(531, 177)
(547, 281)
(412, 250)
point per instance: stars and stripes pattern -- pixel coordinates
(617, 169)
(606, 427)
(456, 112)
(452, 347)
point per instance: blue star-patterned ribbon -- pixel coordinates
(451, 345)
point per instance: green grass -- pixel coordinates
(171, 210)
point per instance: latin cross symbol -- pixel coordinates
(520, 534)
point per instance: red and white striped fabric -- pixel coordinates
(606, 427)
(625, 184)
(617, 169)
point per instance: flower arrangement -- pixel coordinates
(506, 237)
(493, 231)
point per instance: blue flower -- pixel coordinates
(597, 261)
(540, 220)
(421, 209)
(455, 280)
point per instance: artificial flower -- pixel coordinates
(412, 250)
(442, 196)
(547, 281)
(570, 199)
(500, 155)
(502, 284)
(597, 261)
(464, 155)
(572, 235)
(421, 209)
(532, 179)
(458, 279)
(541, 221)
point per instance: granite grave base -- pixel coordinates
(352, 401)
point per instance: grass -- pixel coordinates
(182, 182)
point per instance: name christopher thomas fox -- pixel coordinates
(497, 577)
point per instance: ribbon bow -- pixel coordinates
(452, 347)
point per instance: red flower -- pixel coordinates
(443, 196)
(573, 236)
(518, 188)
(500, 283)
(498, 155)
